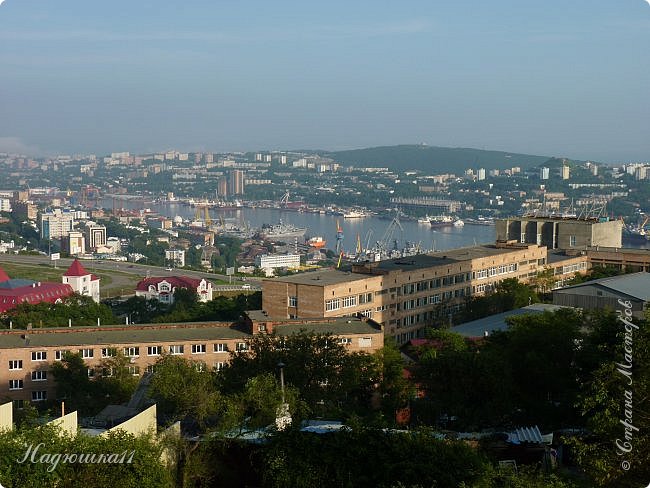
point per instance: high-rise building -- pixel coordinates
(95, 235)
(236, 186)
(565, 172)
(222, 187)
(480, 174)
(544, 173)
(76, 243)
(56, 224)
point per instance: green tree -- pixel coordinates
(74, 385)
(116, 382)
(183, 388)
(143, 469)
(329, 379)
(81, 310)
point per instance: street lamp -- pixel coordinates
(281, 366)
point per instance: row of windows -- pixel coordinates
(574, 268)
(134, 351)
(496, 271)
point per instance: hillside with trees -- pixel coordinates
(433, 159)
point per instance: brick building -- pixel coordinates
(408, 294)
(26, 356)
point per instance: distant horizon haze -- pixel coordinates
(556, 78)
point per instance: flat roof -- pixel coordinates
(139, 334)
(321, 277)
(477, 328)
(441, 258)
(339, 327)
(557, 257)
(333, 325)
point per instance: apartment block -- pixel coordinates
(27, 356)
(56, 225)
(408, 294)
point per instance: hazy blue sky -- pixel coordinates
(556, 77)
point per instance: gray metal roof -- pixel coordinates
(636, 285)
(477, 328)
(88, 336)
(322, 277)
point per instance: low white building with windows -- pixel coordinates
(270, 262)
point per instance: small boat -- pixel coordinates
(317, 242)
(458, 223)
(354, 214)
(424, 220)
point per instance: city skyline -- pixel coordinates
(547, 79)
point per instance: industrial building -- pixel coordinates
(558, 232)
(608, 293)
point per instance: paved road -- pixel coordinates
(140, 270)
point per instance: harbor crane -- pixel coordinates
(339, 237)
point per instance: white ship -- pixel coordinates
(354, 214)
(282, 230)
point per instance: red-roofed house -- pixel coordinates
(82, 281)
(13, 292)
(163, 288)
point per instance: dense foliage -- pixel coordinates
(142, 466)
(75, 309)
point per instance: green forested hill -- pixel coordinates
(433, 159)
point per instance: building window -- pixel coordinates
(333, 304)
(39, 375)
(344, 340)
(221, 347)
(59, 355)
(293, 301)
(39, 396)
(198, 348)
(242, 346)
(151, 368)
(108, 352)
(365, 298)
(219, 366)
(154, 350)
(87, 353)
(177, 349)
(350, 301)
(90, 372)
(132, 352)
(134, 370)
(15, 384)
(200, 366)
(39, 356)
(19, 404)
(15, 364)
(572, 241)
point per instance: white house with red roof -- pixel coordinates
(162, 288)
(81, 281)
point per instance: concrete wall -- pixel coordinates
(6, 416)
(556, 233)
(67, 423)
(142, 424)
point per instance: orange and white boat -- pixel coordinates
(316, 242)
